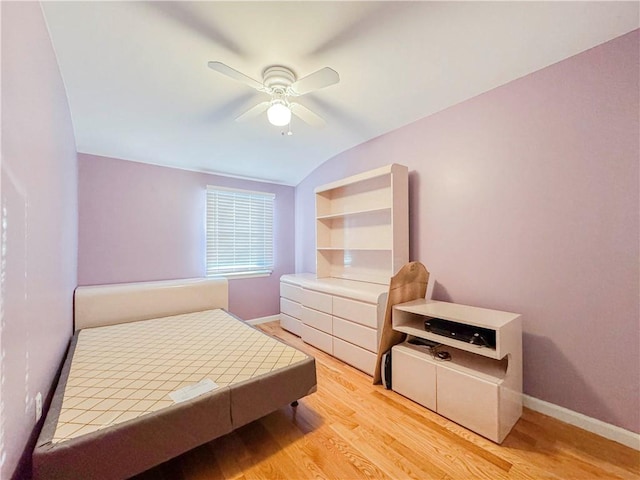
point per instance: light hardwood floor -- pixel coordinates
(351, 429)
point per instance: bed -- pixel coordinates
(155, 369)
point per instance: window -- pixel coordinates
(239, 232)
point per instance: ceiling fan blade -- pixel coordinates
(189, 15)
(307, 115)
(253, 112)
(323, 78)
(236, 75)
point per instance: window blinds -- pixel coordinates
(239, 231)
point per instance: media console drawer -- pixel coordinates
(413, 376)
(470, 401)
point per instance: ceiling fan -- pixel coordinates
(282, 85)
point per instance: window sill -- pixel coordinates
(237, 276)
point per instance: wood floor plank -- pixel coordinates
(360, 462)
(227, 451)
(385, 458)
(297, 445)
(416, 459)
(587, 446)
(351, 429)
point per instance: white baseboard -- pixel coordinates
(606, 430)
(257, 321)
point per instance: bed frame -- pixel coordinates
(101, 305)
(131, 447)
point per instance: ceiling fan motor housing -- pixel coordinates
(278, 78)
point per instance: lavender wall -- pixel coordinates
(526, 199)
(39, 221)
(142, 222)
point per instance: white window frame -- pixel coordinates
(239, 232)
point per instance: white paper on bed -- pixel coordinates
(192, 391)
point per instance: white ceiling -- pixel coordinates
(139, 87)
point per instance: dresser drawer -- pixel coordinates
(290, 308)
(318, 320)
(358, 357)
(359, 312)
(317, 300)
(317, 338)
(291, 292)
(290, 324)
(364, 337)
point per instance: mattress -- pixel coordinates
(136, 394)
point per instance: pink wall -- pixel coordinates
(39, 221)
(526, 199)
(142, 222)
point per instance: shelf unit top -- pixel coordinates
(378, 172)
(479, 317)
(356, 249)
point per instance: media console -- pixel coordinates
(474, 382)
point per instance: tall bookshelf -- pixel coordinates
(362, 240)
(362, 226)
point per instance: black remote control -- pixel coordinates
(423, 342)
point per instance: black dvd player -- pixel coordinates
(482, 337)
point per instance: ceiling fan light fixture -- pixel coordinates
(279, 114)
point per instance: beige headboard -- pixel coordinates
(99, 305)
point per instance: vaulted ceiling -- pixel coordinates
(139, 87)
